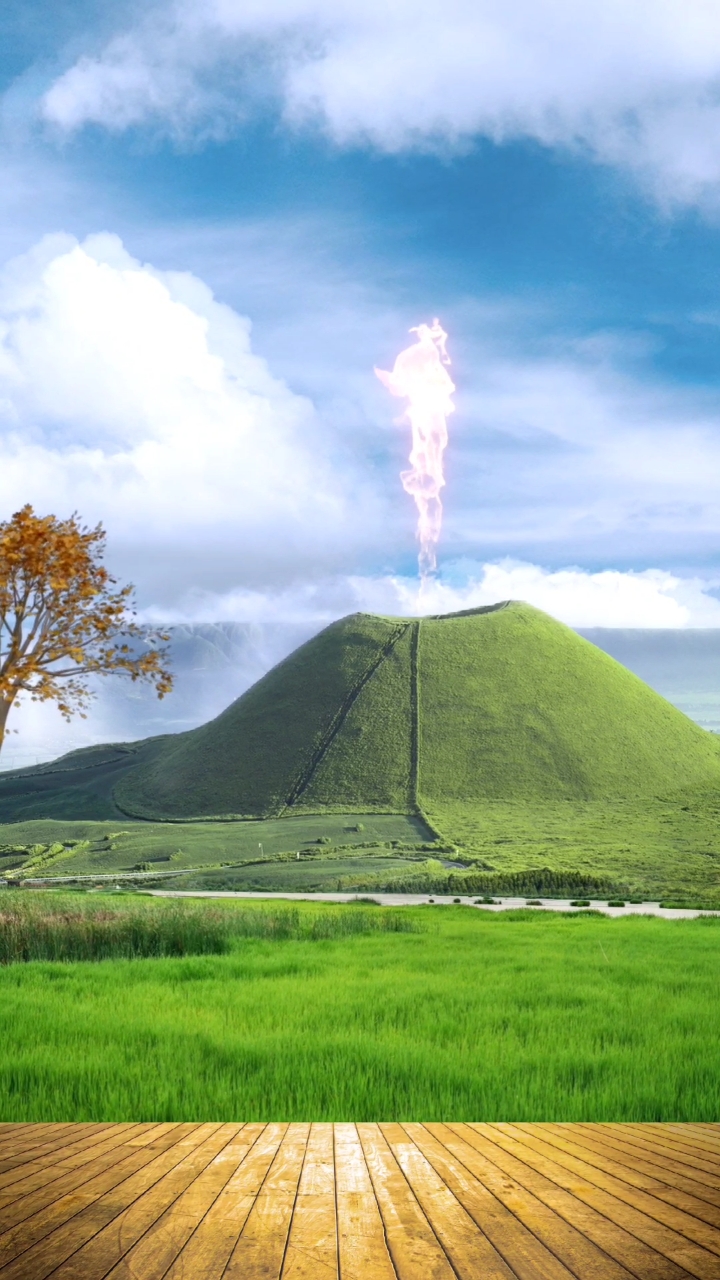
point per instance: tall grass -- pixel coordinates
(483, 1017)
(37, 928)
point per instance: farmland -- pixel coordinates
(653, 848)
(95, 848)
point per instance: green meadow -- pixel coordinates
(663, 846)
(462, 1015)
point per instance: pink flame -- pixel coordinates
(419, 375)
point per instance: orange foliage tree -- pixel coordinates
(64, 619)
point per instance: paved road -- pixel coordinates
(419, 900)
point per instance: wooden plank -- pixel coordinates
(362, 1247)
(152, 1132)
(690, 1155)
(637, 1164)
(207, 1253)
(75, 1153)
(535, 1176)
(381, 1202)
(116, 1237)
(699, 1128)
(686, 1214)
(50, 1237)
(312, 1251)
(8, 1128)
(36, 1172)
(45, 1218)
(18, 1154)
(260, 1251)
(46, 1187)
(578, 1202)
(25, 1136)
(580, 1255)
(661, 1156)
(20, 1136)
(413, 1245)
(584, 1183)
(680, 1136)
(78, 1153)
(158, 1249)
(458, 1208)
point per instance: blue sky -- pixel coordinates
(215, 219)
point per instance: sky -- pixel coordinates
(217, 217)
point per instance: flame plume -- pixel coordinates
(420, 375)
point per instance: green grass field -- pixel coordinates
(479, 1017)
(657, 847)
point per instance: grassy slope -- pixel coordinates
(514, 705)
(658, 847)
(607, 778)
(78, 786)
(249, 759)
(482, 1018)
(371, 754)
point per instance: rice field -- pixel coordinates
(455, 1015)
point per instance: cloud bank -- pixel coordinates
(134, 397)
(632, 83)
(651, 598)
(131, 395)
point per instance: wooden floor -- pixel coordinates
(318, 1202)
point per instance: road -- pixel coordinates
(420, 900)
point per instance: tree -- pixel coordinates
(63, 617)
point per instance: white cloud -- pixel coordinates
(133, 396)
(651, 598)
(580, 453)
(631, 82)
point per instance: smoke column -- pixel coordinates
(419, 374)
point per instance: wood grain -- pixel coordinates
(387, 1201)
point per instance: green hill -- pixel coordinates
(379, 713)
(394, 715)
(514, 705)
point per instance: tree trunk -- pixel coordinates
(4, 713)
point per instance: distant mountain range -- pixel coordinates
(215, 662)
